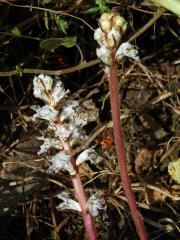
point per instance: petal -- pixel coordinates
(105, 55)
(68, 109)
(127, 49)
(95, 203)
(58, 93)
(48, 143)
(61, 161)
(67, 203)
(88, 154)
(45, 112)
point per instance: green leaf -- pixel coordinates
(52, 43)
(15, 31)
(62, 24)
(93, 10)
(19, 70)
(171, 5)
(46, 20)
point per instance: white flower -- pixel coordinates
(95, 203)
(68, 109)
(99, 36)
(64, 131)
(127, 49)
(61, 161)
(68, 131)
(105, 55)
(45, 112)
(42, 87)
(67, 203)
(49, 143)
(49, 90)
(88, 154)
(58, 93)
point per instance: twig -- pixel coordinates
(147, 25)
(51, 72)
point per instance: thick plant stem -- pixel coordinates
(81, 197)
(115, 109)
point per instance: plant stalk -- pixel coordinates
(118, 136)
(81, 197)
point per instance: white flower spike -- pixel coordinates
(108, 36)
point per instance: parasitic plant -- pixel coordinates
(111, 50)
(65, 119)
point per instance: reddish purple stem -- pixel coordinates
(81, 197)
(115, 108)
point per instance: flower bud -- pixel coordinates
(105, 22)
(112, 20)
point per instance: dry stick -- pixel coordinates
(147, 25)
(81, 197)
(115, 109)
(51, 72)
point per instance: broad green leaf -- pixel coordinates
(15, 31)
(52, 43)
(171, 5)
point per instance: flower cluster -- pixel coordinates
(109, 34)
(64, 124)
(94, 203)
